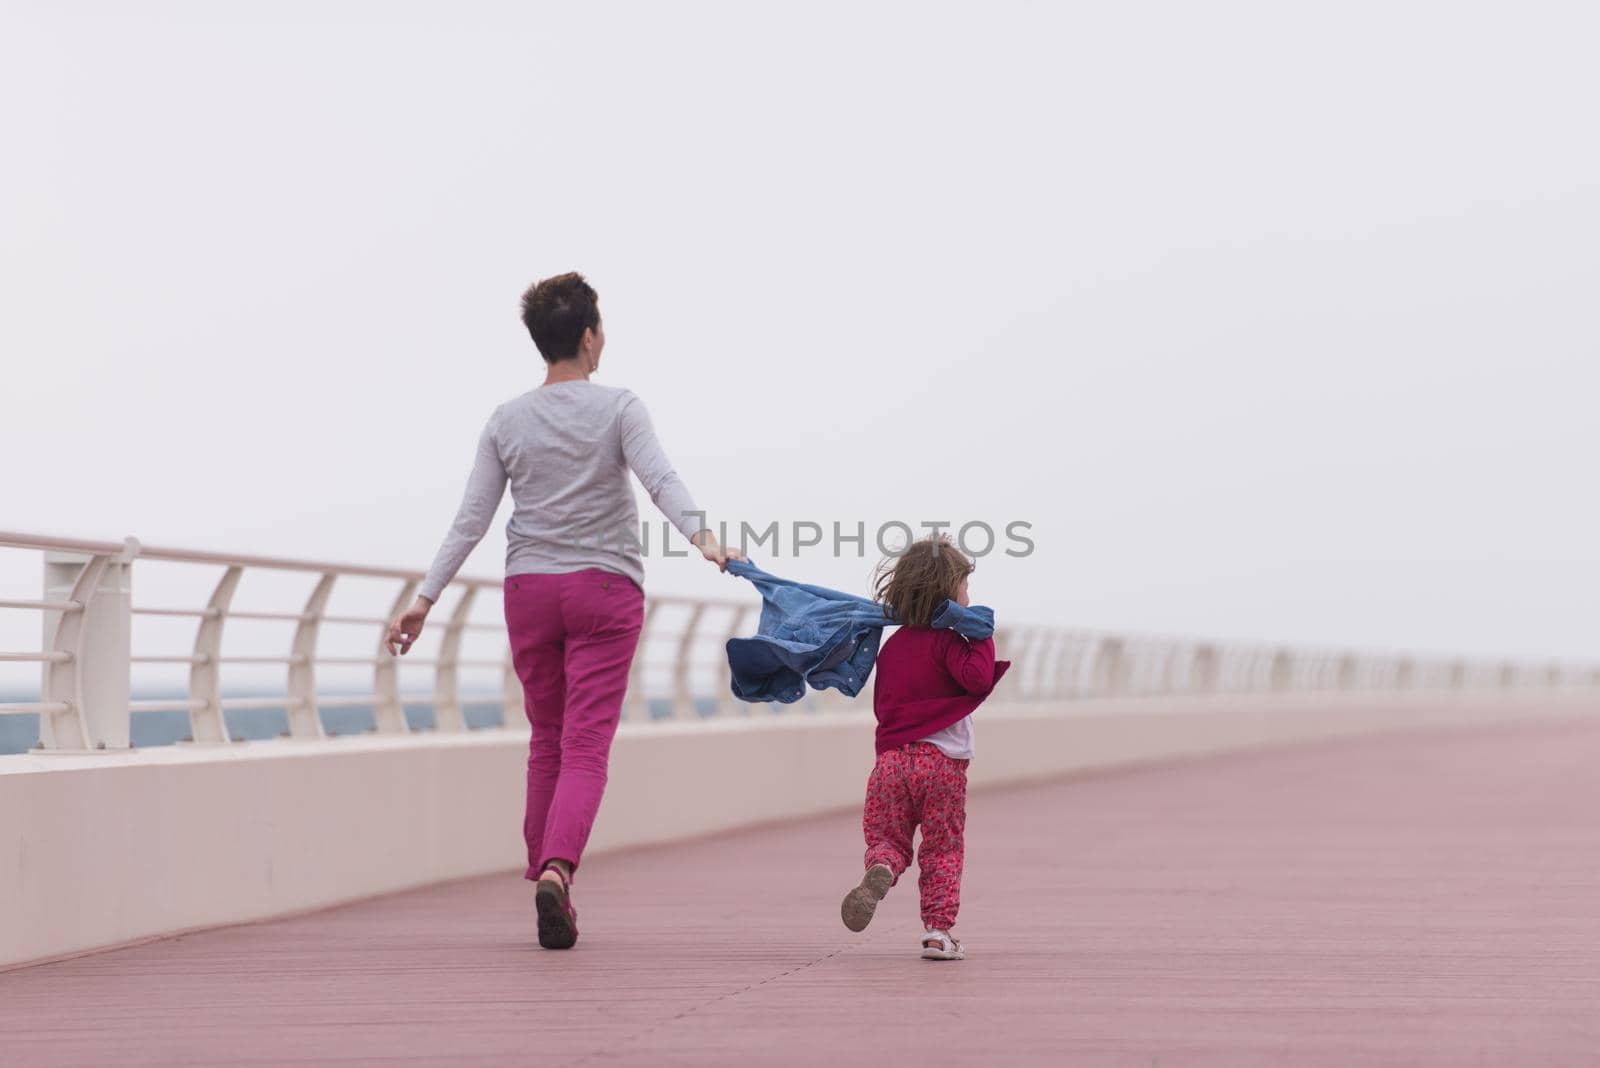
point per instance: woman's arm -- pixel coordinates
(485, 486)
(650, 465)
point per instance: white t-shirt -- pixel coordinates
(955, 741)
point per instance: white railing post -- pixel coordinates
(1134, 656)
(1174, 667)
(1145, 667)
(1508, 676)
(1327, 670)
(682, 693)
(1204, 669)
(514, 701)
(1405, 674)
(1280, 672)
(89, 649)
(447, 712)
(634, 707)
(1060, 663)
(1049, 650)
(206, 721)
(304, 719)
(1029, 645)
(1348, 674)
(1011, 643)
(1005, 648)
(388, 712)
(1049, 664)
(1250, 670)
(1109, 674)
(725, 698)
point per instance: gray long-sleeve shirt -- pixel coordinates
(566, 449)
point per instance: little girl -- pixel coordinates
(929, 682)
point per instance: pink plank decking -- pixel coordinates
(1425, 899)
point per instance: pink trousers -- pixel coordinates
(572, 640)
(917, 785)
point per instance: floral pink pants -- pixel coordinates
(911, 786)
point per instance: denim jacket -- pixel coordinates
(810, 634)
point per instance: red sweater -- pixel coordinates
(929, 679)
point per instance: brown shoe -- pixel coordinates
(558, 920)
(859, 904)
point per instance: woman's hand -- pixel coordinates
(706, 542)
(407, 627)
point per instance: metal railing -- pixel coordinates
(86, 655)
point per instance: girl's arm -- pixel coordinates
(970, 663)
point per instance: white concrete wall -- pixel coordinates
(103, 850)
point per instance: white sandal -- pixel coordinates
(947, 949)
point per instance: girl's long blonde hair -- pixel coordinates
(916, 583)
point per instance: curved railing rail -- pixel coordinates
(86, 655)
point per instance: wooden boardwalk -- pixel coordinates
(1426, 899)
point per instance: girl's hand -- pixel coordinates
(407, 627)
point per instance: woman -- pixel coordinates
(574, 601)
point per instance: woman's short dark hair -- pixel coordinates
(557, 311)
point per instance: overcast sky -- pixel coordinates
(1271, 322)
